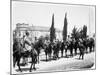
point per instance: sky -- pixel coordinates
(40, 14)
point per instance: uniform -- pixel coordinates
(27, 44)
(81, 48)
(26, 47)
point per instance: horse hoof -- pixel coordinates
(20, 70)
(34, 68)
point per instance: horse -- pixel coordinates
(75, 46)
(89, 43)
(19, 53)
(38, 46)
(62, 48)
(69, 46)
(56, 49)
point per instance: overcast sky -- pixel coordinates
(40, 14)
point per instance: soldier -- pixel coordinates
(81, 48)
(27, 42)
(26, 46)
(62, 48)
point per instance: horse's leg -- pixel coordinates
(55, 53)
(14, 61)
(46, 56)
(58, 54)
(18, 63)
(33, 62)
(86, 49)
(50, 55)
(71, 52)
(93, 48)
(82, 56)
(62, 53)
(38, 58)
(31, 65)
(75, 51)
(66, 52)
(90, 49)
(34, 66)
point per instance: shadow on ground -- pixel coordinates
(88, 66)
(27, 69)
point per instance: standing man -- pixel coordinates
(81, 48)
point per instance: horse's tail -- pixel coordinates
(15, 57)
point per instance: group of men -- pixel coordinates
(72, 44)
(56, 45)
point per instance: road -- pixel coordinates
(62, 64)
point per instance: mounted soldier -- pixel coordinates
(69, 46)
(75, 45)
(27, 42)
(21, 50)
(26, 46)
(56, 49)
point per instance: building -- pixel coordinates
(35, 31)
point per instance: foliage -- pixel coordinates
(79, 34)
(75, 33)
(47, 37)
(84, 35)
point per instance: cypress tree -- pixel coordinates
(52, 30)
(65, 28)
